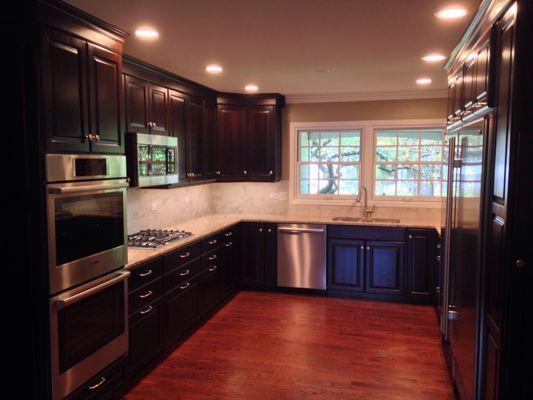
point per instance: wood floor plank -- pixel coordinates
(267, 346)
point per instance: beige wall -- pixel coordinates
(356, 111)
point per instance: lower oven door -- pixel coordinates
(88, 329)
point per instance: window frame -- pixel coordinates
(298, 163)
(419, 163)
(367, 156)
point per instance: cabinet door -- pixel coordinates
(481, 88)
(384, 263)
(421, 263)
(346, 264)
(458, 102)
(180, 310)
(106, 100)
(211, 281)
(230, 145)
(451, 102)
(210, 165)
(252, 239)
(469, 84)
(196, 139)
(178, 128)
(158, 106)
(262, 144)
(64, 90)
(270, 255)
(136, 104)
(145, 336)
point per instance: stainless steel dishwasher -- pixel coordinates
(302, 256)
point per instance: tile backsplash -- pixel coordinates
(160, 208)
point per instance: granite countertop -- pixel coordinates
(206, 226)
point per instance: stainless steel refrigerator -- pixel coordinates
(462, 234)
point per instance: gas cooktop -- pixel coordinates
(153, 238)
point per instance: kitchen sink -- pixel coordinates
(368, 220)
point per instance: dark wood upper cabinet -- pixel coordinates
(469, 84)
(196, 139)
(229, 143)
(261, 144)
(136, 104)
(249, 137)
(64, 91)
(158, 115)
(482, 89)
(178, 128)
(384, 267)
(106, 100)
(210, 161)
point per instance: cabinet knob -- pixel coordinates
(260, 229)
(438, 258)
(245, 172)
(520, 263)
(269, 230)
(90, 137)
(362, 248)
(368, 248)
(218, 172)
(97, 137)
(410, 236)
(271, 172)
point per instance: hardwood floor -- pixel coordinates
(285, 346)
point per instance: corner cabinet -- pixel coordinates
(249, 138)
(81, 91)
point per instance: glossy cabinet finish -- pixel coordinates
(82, 99)
(230, 148)
(262, 144)
(195, 139)
(178, 122)
(384, 265)
(421, 268)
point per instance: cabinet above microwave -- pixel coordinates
(152, 160)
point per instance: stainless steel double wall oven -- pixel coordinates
(87, 247)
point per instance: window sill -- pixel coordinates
(434, 204)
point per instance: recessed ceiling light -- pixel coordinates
(213, 69)
(251, 88)
(451, 13)
(146, 33)
(433, 57)
(423, 81)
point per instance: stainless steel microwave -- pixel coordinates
(152, 159)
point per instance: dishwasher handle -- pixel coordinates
(301, 230)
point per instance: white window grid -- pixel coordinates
(419, 163)
(339, 163)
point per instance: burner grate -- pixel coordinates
(153, 238)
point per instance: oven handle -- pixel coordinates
(80, 296)
(57, 189)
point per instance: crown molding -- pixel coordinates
(369, 96)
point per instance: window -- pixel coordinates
(328, 163)
(408, 163)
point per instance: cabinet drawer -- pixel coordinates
(99, 386)
(181, 256)
(366, 232)
(144, 296)
(182, 274)
(230, 234)
(211, 258)
(180, 310)
(145, 273)
(212, 242)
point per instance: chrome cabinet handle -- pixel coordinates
(183, 287)
(213, 257)
(229, 244)
(228, 234)
(214, 241)
(213, 268)
(147, 294)
(438, 258)
(146, 310)
(185, 255)
(97, 385)
(147, 273)
(439, 246)
(185, 273)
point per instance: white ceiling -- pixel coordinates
(368, 46)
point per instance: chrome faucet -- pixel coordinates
(366, 210)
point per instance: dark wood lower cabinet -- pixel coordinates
(180, 310)
(211, 281)
(259, 255)
(421, 268)
(145, 336)
(384, 264)
(346, 264)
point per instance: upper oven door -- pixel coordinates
(87, 234)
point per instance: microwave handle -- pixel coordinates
(85, 188)
(80, 296)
